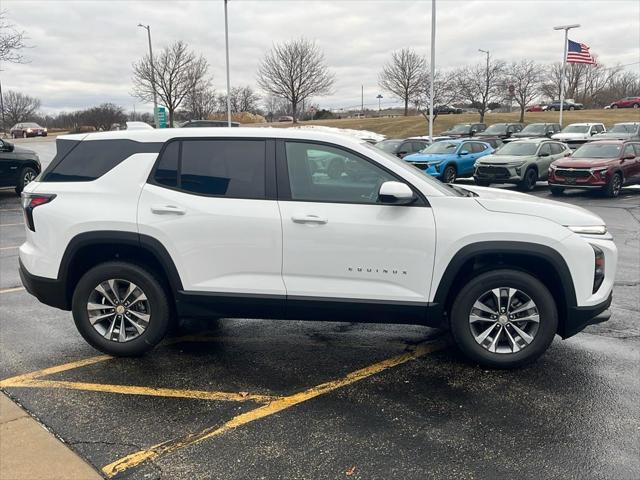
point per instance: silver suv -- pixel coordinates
(522, 162)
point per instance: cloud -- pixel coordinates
(83, 50)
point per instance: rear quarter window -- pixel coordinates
(84, 161)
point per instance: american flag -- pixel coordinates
(579, 53)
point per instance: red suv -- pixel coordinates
(627, 102)
(604, 165)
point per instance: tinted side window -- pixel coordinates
(225, 168)
(321, 173)
(545, 148)
(629, 150)
(167, 170)
(477, 147)
(556, 148)
(90, 159)
(636, 146)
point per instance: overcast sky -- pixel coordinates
(83, 50)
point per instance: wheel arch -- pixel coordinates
(91, 248)
(541, 261)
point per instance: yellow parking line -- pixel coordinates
(10, 248)
(11, 224)
(275, 406)
(150, 391)
(28, 377)
(13, 289)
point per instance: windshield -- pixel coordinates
(517, 149)
(497, 128)
(534, 128)
(441, 147)
(460, 128)
(32, 125)
(437, 184)
(622, 128)
(389, 145)
(576, 129)
(594, 150)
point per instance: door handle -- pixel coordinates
(167, 209)
(309, 219)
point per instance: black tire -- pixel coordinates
(479, 285)
(449, 174)
(27, 175)
(24, 134)
(556, 191)
(636, 105)
(482, 183)
(156, 296)
(614, 106)
(612, 190)
(528, 183)
(572, 108)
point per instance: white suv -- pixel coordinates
(133, 229)
(576, 134)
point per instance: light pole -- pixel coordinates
(486, 86)
(153, 76)
(226, 45)
(566, 29)
(432, 66)
(379, 97)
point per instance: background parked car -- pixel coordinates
(606, 165)
(535, 108)
(450, 159)
(207, 123)
(620, 131)
(627, 102)
(576, 134)
(464, 130)
(27, 129)
(18, 166)
(568, 105)
(446, 109)
(537, 130)
(522, 162)
(500, 130)
(401, 148)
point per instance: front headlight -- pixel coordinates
(589, 229)
(598, 169)
(552, 167)
(516, 164)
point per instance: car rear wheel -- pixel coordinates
(556, 191)
(529, 181)
(27, 175)
(636, 105)
(572, 108)
(504, 319)
(614, 106)
(449, 174)
(121, 309)
(612, 190)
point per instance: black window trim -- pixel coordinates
(270, 188)
(284, 187)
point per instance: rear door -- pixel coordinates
(211, 203)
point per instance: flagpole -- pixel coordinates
(566, 29)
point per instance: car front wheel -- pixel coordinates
(449, 174)
(529, 181)
(612, 190)
(121, 309)
(504, 319)
(27, 175)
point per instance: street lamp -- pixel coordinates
(486, 79)
(432, 66)
(153, 81)
(379, 97)
(566, 29)
(226, 45)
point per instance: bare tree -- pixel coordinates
(295, 70)
(201, 101)
(178, 71)
(480, 85)
(404, 76)
(525, 77)
(12, 41)
(275, 107)
(18, 107)
(444, 92)
(242, 99)
(104, 116)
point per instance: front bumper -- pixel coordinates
(49, 291)
(580, 317)
(504, 173)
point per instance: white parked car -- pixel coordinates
(237, 223)
(576, 134)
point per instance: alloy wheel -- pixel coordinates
(29, 176)
(449, 175)
(504, 320)
(119, 310)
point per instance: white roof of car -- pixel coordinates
(588, 124)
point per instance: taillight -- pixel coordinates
(598, 275)
(31, 201)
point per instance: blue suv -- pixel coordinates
(450, 159)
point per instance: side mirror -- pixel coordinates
(396, 193)
(544, 154)
(464, 152)
(593, 132)
(629, 156)
(402, 154)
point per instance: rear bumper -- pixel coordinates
(580, 317)
(49, 291)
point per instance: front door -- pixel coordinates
(207, 202)
(8, 166)
(339, 242)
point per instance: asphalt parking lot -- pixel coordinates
(239, 399)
